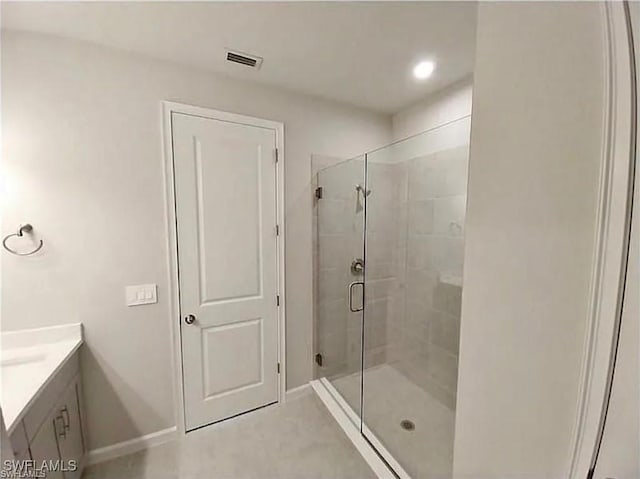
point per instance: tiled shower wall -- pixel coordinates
(423, 342)
(339, 218)
(385, 256)
(415, 227)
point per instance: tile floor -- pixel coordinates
(296, 439)
(389, 397)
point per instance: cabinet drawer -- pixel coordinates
(19, 443)
(41, 408)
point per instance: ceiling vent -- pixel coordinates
(245, 59)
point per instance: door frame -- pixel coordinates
(613, 228)
(169, 107)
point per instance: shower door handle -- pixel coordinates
(351, 308)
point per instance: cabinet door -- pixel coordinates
(71, 443)
(44, 447)
(19, 443)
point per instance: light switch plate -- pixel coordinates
(139, 294)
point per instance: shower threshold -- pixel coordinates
(370, 448)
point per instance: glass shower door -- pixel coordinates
(392, 222)
(339, 288)
(415, 213)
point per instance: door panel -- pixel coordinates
(220, 344)
(44, 447)
(71, 444)
(239, 189)
(415, 212)
(339, 262)
(225, 182)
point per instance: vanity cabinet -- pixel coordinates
(51, 432)
(20, 444)
(44, 448)
(68, 428)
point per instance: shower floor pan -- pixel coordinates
(424, 452)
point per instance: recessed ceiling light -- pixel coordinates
(423, 70)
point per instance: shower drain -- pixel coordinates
(407, 425)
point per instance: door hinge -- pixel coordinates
(319, 359)
(319, 193)
(276, 155)
(277, 300)
(277, 230)
(278, 368)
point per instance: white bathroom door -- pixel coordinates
(225, 189)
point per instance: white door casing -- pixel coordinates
(612, 241)
(226, 211)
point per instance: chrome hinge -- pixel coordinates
(277, 300)
(278, 368)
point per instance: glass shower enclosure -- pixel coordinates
(389, 236)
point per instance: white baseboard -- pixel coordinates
(132, 445)
(159, 437)
(298, 392)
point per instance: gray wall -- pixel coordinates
(529, 241)
(444, 106)
(83, 162)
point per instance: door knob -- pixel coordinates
(190, 319)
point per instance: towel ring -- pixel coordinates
(26, 228)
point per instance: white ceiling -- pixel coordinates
(358, 53)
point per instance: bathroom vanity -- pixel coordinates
(42, 399)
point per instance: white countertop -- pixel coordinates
(29, 359)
